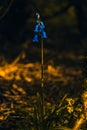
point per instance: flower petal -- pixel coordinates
(42, 25)
(35, 39)
(44, 34)
(36, 28)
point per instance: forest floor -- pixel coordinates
(20, 77)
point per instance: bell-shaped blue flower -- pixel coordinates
(36, 28)
(44, 34)
(35, 39)
(39, 30)
(42, 25)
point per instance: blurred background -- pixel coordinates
(66, 27)
(64, 49)
(66, 21)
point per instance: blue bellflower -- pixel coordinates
(39, 30)
(44, 34)
(35, 39)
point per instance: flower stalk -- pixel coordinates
(39, 32)
(42, 78)
(42, 63)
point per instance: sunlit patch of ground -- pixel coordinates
(21, 78)
(20, 81)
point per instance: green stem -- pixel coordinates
(42, 82)
(42, 64)
(40, 94)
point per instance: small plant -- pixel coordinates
(40, 110)
(43, 117)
